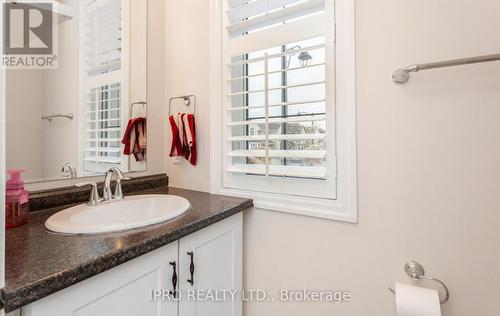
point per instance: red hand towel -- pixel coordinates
(140, 142)
(183, 124)
(184, 137)
(191, 139)
(176, 148)
(131, 139)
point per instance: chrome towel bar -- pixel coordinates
(143, 103)
(189, 101)
(402, 75)
(51, 117)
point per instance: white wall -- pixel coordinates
(156, 87)
(428, 163)
(24, 137)
(187, 72)
(61, 95)
(138, 69)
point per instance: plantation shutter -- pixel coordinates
(277, 72)
(104, 78)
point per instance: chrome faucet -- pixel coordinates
(118, 174)
(95, 199)
(70, 169)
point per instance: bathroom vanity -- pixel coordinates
(132, 272)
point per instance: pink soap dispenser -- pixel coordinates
(16, 200)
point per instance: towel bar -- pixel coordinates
(402, 75)
(143, 103)
(50, 117)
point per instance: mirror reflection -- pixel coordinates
(89, 114)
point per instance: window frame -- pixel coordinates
(344, 206)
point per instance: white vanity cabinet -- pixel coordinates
(126, 290)
(216, 253)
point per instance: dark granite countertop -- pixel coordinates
(39, 263)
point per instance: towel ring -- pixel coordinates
(189, 100)
(416, 272)
(143, 103)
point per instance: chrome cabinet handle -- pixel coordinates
(174, 278)
(191, 268)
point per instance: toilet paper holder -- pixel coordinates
(416, 272)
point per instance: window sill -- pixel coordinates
(313, 207)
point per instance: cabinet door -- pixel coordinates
(217, 258)
(122, 291)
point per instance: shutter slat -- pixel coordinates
(311, 154)
(103, 149)
(292, 119)
(276, 71)
(256, 7)
(278, 55)
(106, 159)
(111, 129)
(238, 108)
(305, 28)
(103, 139)
(285, 14)
(277, 88)
(278, 137)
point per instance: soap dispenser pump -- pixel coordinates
(16, 200)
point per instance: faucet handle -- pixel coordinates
(94, 198)
(118, 188)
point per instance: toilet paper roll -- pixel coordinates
(416, 301)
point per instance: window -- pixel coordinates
(277, 120)
(288, 136)
(104, 77)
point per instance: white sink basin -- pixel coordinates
(131, 212)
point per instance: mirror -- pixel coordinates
(88, 114)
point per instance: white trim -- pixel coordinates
(2, 160)
(344, 207)
(82, 107)
(345, 77)
(307, 172)
(341, 210)
(216, 91)
(125, 78)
